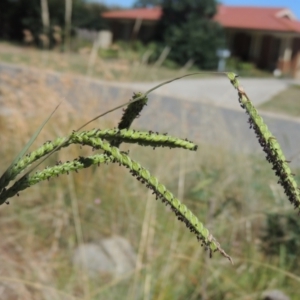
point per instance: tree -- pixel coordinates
(147, 3)
(17, 15)
(89, 16)
(68, 22)
(187, 27)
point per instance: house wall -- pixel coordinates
(255, 46)
(268, 50)
(123, 30)
(284, 60)
(295, 57)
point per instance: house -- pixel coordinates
(266, 36)
(125, 23)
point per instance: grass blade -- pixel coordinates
(5, 178)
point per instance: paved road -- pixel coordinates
(212, 120)
(216, 90)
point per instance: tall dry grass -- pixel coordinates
(127, 67)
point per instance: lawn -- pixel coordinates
(286, 102)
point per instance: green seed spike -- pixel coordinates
(131, 112)
(161, 192)
(75, 165)
(269, 144)
(147, 139)
(127, 136)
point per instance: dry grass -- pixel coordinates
(42, 227)
(125, 69)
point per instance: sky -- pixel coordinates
(293, 5)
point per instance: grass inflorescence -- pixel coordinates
(95, 139)
(228, 191)
(128, 136)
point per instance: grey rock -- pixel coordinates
(92, 258)
(121, 253)
(274, 295)
(114, 256)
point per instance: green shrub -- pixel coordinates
(109, 53)
(281, 234)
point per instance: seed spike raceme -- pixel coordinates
(269, 144)
(128, 136)
(161, 192)
(47, 173)
(131, 112)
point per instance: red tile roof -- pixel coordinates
(153, 14)
(294, 25)
(244, 17)
(257, 18)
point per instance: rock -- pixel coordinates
(274, 295)
(112, 255)
(121, 253)
(93, 259)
